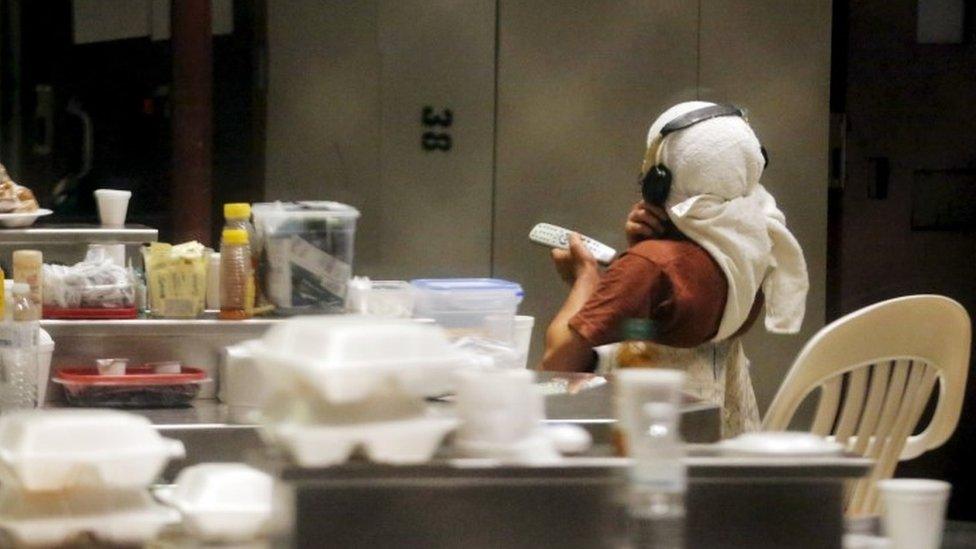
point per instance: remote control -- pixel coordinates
(554, 236)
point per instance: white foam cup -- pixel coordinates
(914, 511)
(112, 206)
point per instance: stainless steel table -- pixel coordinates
(67, 244)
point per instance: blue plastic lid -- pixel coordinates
(468, 285)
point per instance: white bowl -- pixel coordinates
(23, 219)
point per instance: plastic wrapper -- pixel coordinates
(177, 279)
(95, 283)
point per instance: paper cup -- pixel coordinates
(112, 206)
(111, 366)
(914, 514)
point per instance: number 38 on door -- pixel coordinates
(436, 135)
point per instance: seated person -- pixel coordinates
(701, 265)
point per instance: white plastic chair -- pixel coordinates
(876, 370)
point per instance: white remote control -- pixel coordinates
(554, 236)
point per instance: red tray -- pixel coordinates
(134, 375)
(90, 314)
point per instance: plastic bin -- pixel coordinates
(306, 254)
(482, 307)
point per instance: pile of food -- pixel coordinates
(13, 197)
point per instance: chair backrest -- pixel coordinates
(876, 369)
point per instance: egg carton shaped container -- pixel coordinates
(346, 359)
(43, 450)
(126, 517)
(398, 442)
(222, 502)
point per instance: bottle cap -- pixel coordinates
(21, 288)
(234, 236)
(237, 210)
(640, 329)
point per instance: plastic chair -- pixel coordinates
(876, 370)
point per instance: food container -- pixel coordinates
(222, 502)
(65, 449)
(139, 387)
(397, 442)
(103, 301)
(306, 254)
(176, 279)
(346, 359)
(482, 307)
(118, 517)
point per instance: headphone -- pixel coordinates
(655, 179)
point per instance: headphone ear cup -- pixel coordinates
(656, 185)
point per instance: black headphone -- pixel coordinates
(655, 179)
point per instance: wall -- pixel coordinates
(578, 83)
(773, 58)
(912, 104)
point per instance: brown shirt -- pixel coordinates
(676, 283)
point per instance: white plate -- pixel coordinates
(785, 443)
(23, 219)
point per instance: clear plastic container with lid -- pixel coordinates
(481, 307)
(306, 254)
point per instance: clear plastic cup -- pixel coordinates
(112, 206)
(914, 514)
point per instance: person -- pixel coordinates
(708, 252)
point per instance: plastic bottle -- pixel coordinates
(18, 356)
(636, 348)
(237, 215)
(658, 477)
(236, 276)
(28, 269)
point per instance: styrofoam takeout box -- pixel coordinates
(45, 450)
(347, 359)
(397, 442)
(223, 502)
(53, 518)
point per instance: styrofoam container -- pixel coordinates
(346, 359)
(398, 442)
(45, 450)
(482, 307)
(223, 502)
(118, 517)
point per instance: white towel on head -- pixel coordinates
(717, 201)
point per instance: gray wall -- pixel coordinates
(578, 82)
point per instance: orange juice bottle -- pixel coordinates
(637, 350)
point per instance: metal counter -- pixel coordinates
(67, 244)
(732, 502)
